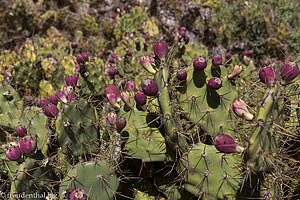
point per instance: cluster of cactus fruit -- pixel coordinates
(187, 117)
(170, 121)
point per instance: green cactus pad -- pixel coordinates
(35, 175)
(99, 180)
(77, 129)
(10, 106)
(209, 108)
(210, 174)
(143, 139)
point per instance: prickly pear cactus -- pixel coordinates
(98, 179)
(78, 132)
(209, 174)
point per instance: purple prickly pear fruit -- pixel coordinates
(228, 56)
(21, 131)
(13, 151)
(226, 144)
(88, 54)
(54, 99)
(248, 53)
(146, 36)
(42, 102)
(67, 47)
(51, 110)
(182, 33)
(121, 123)
(113, 96)
(140, 98)
(78, 194)
(216, 60)
(70, 97)
(62, 97)
(145, 62)
(214, 83)
(160, 50)
(28, 144)
(112, 118)
(73, 45)
(112, 71)
(200, 63)
(129, 53)
(80, 59)
(150, 87)
(137, 42)
(100, 53)
(130, 86)
(289, 71)
(239, 107)
(186, 39)
(265, 63)
(71, 81)
(181, 74)
(267, 75)
(111, 60)
(236, 71)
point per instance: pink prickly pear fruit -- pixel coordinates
(13, 151)
(113, 96)
(248, 53)
(226, 144)
(160, 49)
(62, 97)
(228, 56)
(214, 83)
(21, 131)
(236, 71)
(28, 144)
(200, 63)
(80, 59)
(70, 97)
(78, 194)
(216, 60)
(54, 99)
(51, 110)
(145, 62)
(71, 81)
(150, 87)
(73, 45)
(112, 71)
(100, 53)
(126, 99)
(112, 118)
(289, 71)
(181, 74)
(140, 98)
(130, 86)
(239, 107)
(42, 102)
(267, 75)
(121, 123)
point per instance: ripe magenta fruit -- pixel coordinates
(42, 102)
(140, 98)
(129, 86)
(78, 194)
(71, 81)
(150, 87)
(160, 49)
(216, 60)
(200, 63)
(267, 75)
(214, 83)
(226, 144)
(121, 123)
(21, 131)
(51, 110)
(112, 71)
(289, 71)
(181, 74)
(13, 152)
(54, 99)
(73, 45)
(28, 144)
